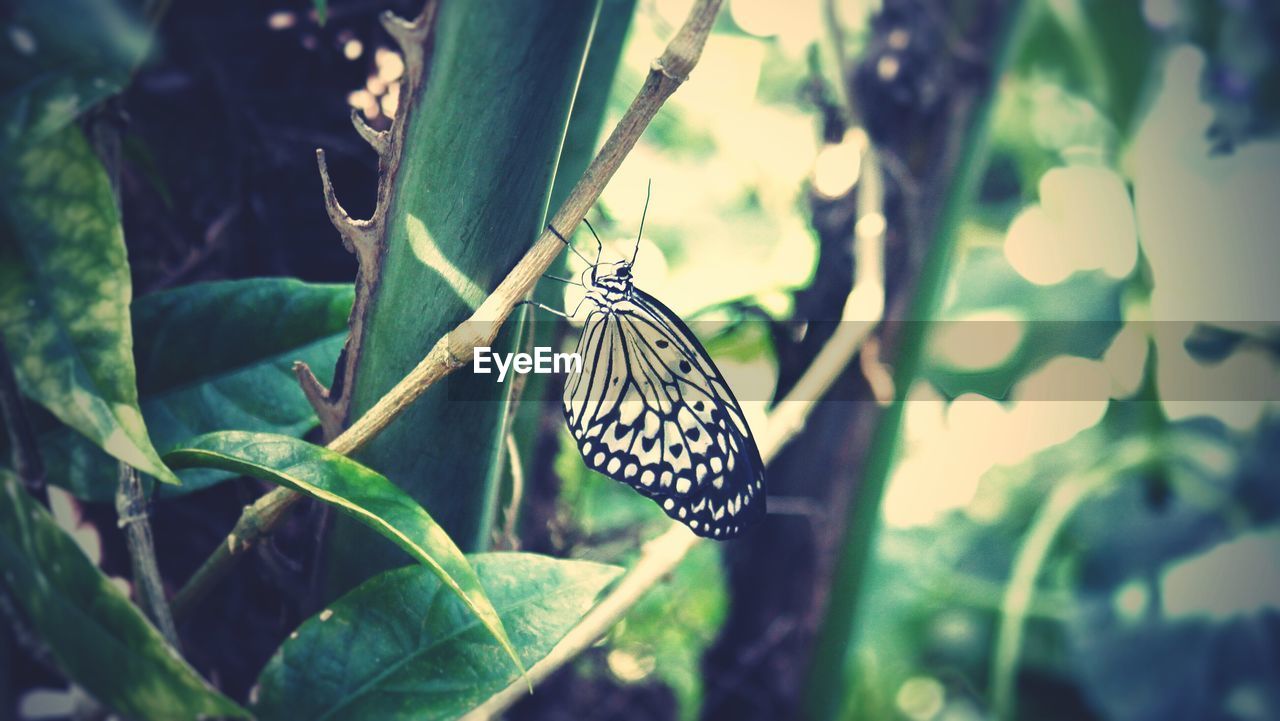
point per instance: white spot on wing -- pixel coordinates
(651, 424)
(629, 410)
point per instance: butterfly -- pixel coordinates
(649, 408)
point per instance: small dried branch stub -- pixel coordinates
(367, 238)
(379, 139)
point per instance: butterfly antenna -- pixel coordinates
(567, 244)
(599, 245)
(647, 193)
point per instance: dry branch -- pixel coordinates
(455, 349)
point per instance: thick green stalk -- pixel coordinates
(825, 691)
(479, 158)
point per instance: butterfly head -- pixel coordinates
(612, 277)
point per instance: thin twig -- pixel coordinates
(456, 348)
(22, 442)
(131, 515)
(507, 538)
(862, 311)
(512, 512)
(659, 557)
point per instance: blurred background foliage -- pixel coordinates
(1075, 527)
(1081, 517)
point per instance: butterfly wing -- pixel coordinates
(650, 409)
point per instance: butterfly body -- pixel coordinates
(650, 409)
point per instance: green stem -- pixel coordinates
(825, 693)
(1016, 605)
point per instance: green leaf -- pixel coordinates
(210, 359)
(398, 648)
(322, 11)
(355, 490)
(100, 640)
(64, 296)
(62, 58)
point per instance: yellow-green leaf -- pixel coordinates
(65, 292)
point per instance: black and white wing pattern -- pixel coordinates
(650, 409)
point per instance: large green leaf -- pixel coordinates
(62, 58)
(398, 648)
(64, 295)
(209, 359)
(361, 493)
(100, 640)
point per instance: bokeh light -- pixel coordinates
(1084, 221)
(837, 167)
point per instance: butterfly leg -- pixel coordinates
(599, 245)
(567, 244)
(548, 276)
(549, 309)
